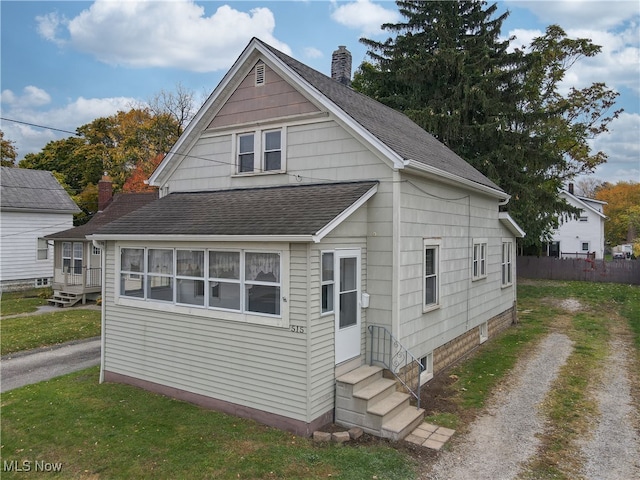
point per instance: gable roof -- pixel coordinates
(584, 203)
(392, 132)
(284, 213)
(22, 189)
(122, 204)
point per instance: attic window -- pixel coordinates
(260, 78)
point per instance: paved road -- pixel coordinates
(25, 368)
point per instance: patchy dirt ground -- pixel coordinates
(495, 444)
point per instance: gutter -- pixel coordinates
(423, 168)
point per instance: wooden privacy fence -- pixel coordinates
(587, 270)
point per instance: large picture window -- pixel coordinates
(236, 281)
(431, 278)
(260, 151)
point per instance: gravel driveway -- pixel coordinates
(500, 442)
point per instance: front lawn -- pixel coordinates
(33, 331)
(119, 431)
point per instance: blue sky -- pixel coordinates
(63, 64)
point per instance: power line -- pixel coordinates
(37, 126)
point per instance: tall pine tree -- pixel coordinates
(447, 68)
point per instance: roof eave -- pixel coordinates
(450, 177)
(511, 224)
(203, 238)
(329, 227)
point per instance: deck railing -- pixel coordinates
(85, 278)
(388, 352)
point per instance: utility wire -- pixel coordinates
(37, 126)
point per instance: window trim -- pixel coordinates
(207, 311)
(324, 282)
(479, 264)
(435, 244)
(42, 249)
(259, 144)
(508, 264)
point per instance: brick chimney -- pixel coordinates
(341, 65)
(105, 192)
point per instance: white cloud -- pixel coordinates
(312, 52)
(622, 147)
(163, 34)
(365, 16)
(32, 138)
(31, 97)
(597, 14)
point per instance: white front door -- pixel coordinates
(347, 302)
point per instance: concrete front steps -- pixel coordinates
(64, 299)
(367, 400)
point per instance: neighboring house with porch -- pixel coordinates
(303, 232)
(581, 237)
(77, 262)
(33, 205)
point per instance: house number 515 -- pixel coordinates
(296, 329)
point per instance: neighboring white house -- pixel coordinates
(32, 205)
(583, 236)
(304, 231)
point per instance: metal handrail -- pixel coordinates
(390, 353)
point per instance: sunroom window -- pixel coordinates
(237, 281)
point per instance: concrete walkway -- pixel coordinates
(32, 366)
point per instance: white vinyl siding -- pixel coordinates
(209, 354)
(432, 210)
(20, 233)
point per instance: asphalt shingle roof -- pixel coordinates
(26, 189)
(122, 204)
(283, 210)
(390, 126)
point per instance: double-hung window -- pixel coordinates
(507, 259)
(479, 259)
(431, 275)
(260, 151)
(72, 257)
(327, 281)
(43, 249)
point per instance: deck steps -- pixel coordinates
(367, 400)
(64, 299)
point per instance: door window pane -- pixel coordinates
(348, 274)
(348, 309)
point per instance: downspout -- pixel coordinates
(103, 264)
(396, 253)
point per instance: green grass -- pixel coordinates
(24, 333)
(118, 431)
(14, 303)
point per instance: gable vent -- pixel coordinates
(260, 77)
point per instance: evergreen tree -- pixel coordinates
(449, 71)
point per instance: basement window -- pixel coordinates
(484, 332)
(427, 368)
